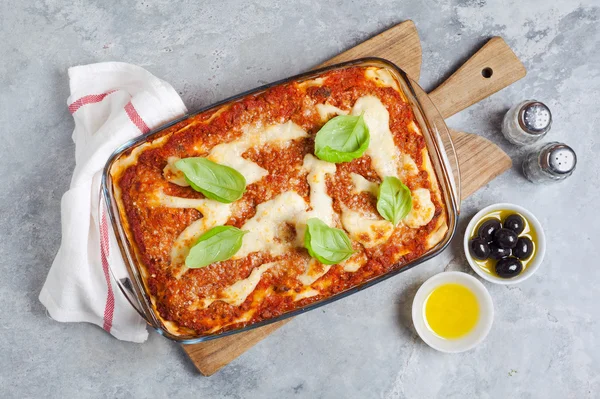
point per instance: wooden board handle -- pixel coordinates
(491, 69)
(480, 161)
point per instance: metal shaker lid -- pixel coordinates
(535, 117)
(559, 158)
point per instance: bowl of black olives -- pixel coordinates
(504, 243)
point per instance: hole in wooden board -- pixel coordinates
(487, 72)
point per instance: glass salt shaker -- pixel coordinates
(527, 122)
(551, 162)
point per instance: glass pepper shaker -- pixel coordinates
(551, 162)
(527, 122)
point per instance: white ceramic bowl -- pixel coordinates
(473, 338)
(540, 244)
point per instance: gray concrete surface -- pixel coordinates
(544, 342)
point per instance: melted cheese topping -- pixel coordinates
(174, 175)
(264, 228)
(313, 82)
(412, 126)
(369, 230)
(214, 213)
(326, 110)
(237, 293)
(421, 213)
(321, 204)
(355, 262)
(382, 77)
(361, 184)
(313, 272)
(201, 204)
(307, 293)
(382, 149)
(409, 167)
(321, 207)
(230, 154)
(422, 210)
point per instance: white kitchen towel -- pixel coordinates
(111, 103)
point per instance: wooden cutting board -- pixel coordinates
(492, 68)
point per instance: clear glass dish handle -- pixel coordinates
(120, 277)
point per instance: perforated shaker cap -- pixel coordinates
(559, 159)
(535, 118)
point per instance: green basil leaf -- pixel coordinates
(217, 244)
(394, 200)
(215, 181)
(342, 139)
(328, 245)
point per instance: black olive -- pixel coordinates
(488, 228)
(498, 253)
(505, 238)
(479, 248)
(524, 248)
(515, 223)
(508, 267)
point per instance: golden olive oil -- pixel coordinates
(488, 265)
(451, 311)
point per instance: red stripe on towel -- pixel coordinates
(90, 99)
(136, 118)
(109, 308)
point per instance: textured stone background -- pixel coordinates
(544, 342)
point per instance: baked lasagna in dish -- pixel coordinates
(268, 138)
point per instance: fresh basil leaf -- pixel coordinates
(215, 181)
(217, 244)
(394, 200)
(328, 245)
(342, 139)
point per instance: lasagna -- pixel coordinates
(268, 137)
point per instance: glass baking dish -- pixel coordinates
(441, 152)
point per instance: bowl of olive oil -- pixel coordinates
(452, 312)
